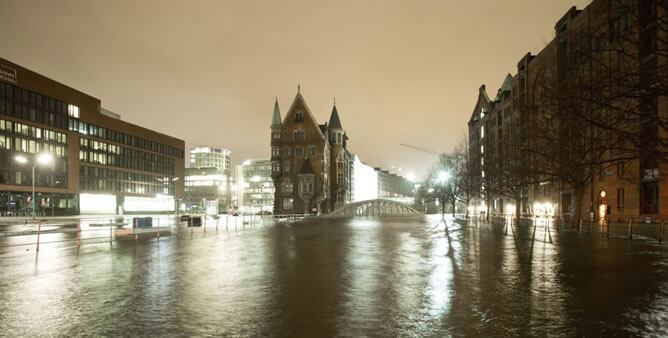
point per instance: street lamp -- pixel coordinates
(43, 158)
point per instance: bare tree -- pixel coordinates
(468, 185)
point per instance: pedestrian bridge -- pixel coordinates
(374, 208)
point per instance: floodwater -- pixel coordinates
(387, 277)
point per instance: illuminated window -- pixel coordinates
(311, 150)
(73, 111)
(299, 152)
(287, 187)
(287, 203)
(482, 131)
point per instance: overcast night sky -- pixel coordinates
(208, 71)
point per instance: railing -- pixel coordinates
(631, 228)
(109, 230)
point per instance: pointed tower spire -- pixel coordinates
(276, 118)
(334, 120)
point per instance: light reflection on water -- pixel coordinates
(383, 277)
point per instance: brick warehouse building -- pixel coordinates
(311, 165)
(598, 51)
(101, 164)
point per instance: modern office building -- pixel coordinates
(255, 187)
(211, 157)
(206, 187)
(374, 183)
(208, 179)
(97, 163)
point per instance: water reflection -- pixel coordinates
(373, 277)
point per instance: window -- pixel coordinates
(286, 166)
(298, 134)
(275, 151)
(287, 186)
(311, 150)
(287, 203)
(299, 152)
(73, 111)
(482, 131)
(275, 135)
(620, 199)
(299, 116)
(275, 167)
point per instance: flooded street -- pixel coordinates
(387, 277)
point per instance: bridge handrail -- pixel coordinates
(348, 209)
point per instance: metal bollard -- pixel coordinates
(660, 229)
(630, 228)
(111, 232)
(204, 225)
(78, 234)
(607, 229)
(39, 228)
(580, 226)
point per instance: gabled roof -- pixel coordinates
(483, 102)
(276, 118)
(306, 167)
(506, 87)
(296, 103)
(334, 120)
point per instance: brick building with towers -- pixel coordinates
(311, 164)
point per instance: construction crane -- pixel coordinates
(424, 150)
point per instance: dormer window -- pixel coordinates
(482, 112)
(299, 116)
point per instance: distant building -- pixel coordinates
(208, 179)
(394, 187)
(311, 165)
(365, 181)
(206, 187)
(211, 157)
(373, 183)
(255, 187)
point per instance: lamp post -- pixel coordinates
(43, 158)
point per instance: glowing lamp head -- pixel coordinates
(44, 158)
(443, 176)
(21, 159)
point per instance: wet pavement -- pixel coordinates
(382, 277)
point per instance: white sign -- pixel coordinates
(8, 74)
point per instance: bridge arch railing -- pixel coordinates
(374, 208)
